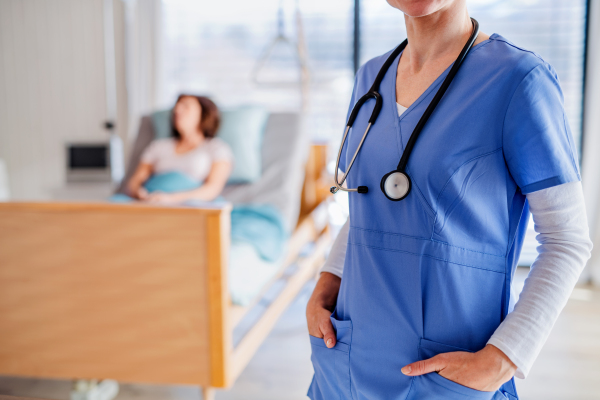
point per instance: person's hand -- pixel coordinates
(319, 324)
(485, 370)
(162, 198)
(141, 193)
(320, 306)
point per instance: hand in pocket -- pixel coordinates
(320, 306)
(485, 370)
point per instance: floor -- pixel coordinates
(568, 367)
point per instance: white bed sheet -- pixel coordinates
(248, 272)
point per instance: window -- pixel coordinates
(554, 29)
(213, 48)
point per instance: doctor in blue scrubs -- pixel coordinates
(427, 273)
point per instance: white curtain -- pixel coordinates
(591, 142)
(142, 32)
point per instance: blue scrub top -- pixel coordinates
(499, 132)
(432, 273)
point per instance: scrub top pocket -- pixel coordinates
(332, 365)
(433, 386)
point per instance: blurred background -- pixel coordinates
(79, 75)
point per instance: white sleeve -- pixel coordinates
(560, 218)
(337, 255)
(151, 153)
(221, 150)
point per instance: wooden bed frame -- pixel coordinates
(135, 293)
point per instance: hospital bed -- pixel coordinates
(140, 293)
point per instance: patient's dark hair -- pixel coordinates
(210, 120)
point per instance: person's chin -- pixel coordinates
(416, 8)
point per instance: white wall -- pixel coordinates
(141, 37)
(52, 87)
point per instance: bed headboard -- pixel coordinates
(284, 154)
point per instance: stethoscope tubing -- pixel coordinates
(339, 185)
(373, 93)
(436, 99)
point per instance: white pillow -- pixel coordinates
(243, 128)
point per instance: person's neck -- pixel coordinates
(191, 140)
(437, 35)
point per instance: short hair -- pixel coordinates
(209, 121)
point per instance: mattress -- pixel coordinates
(284, 154)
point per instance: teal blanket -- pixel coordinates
(260, 225)
(168, 182)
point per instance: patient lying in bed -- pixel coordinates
(166, 173)
(193, 164)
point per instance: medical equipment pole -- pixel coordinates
(356, 49)
(117, 162)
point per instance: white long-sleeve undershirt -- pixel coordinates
(560, 219)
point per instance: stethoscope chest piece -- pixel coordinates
(395, 185)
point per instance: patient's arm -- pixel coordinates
(214, 183)
(210, 189)
(141, 175)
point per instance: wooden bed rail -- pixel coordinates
(134, 293)
(114, 291)
(307, 267)
(220, 330)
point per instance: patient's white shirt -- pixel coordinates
(195, 163)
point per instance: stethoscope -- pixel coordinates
(396, 184)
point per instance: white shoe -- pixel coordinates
(84, 389)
